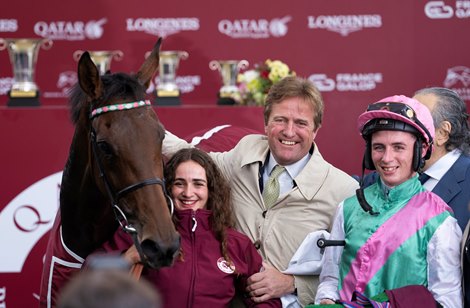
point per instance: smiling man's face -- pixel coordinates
(392, 154)
(290, 130)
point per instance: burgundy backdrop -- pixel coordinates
(356, 52)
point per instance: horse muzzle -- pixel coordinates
(159, 255)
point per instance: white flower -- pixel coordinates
(248, 76)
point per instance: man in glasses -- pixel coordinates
(396, 233)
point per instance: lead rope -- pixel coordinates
(136, 271)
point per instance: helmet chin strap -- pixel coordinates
(361, 198)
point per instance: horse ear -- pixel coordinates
(89, 76)
(150, 65)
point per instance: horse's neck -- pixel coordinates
(86, 214)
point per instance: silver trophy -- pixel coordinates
(101, 58)
(23, 57)
(169, 62)
(229, 69)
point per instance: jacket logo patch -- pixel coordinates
(224, 267)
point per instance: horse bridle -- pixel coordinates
(113, 196)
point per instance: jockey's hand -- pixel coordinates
(131, 255)
(269, 283)
(327, 301)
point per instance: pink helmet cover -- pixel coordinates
(422, 114)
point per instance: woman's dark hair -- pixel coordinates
(219, 197)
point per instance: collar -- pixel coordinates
(403, 191)
(443, 164)
(186, 221)
(293, 169)
(310, 179)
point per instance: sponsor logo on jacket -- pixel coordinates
(222, 264)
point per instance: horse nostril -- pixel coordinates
(159, 255)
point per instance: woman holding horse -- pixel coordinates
(215, 260)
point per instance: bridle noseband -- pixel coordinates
(114, 196)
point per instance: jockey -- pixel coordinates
(396, 233)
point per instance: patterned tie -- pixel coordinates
(423, 177)
(271, 190)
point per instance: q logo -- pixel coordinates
(27, 218)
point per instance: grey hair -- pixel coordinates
(450, 107)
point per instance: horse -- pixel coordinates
(113, 175)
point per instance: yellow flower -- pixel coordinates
(254, 84)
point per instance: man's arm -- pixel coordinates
(172, 143)
(329, 276)
(443, 257)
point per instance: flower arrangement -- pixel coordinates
(254, 84)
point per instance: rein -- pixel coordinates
(115, 197)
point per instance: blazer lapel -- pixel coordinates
(449, 186)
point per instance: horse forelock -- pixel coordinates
(116, 87)
(121, 87)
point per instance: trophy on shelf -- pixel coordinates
(228, 93)
(101, 58)
(168, 93)
(23, 57)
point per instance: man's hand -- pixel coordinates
(132, 255)
(327, 301)
(269, 283)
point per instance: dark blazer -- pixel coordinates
(453, 188)
(465, 264)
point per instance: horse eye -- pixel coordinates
(105, 148)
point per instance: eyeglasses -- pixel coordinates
(401, 109)
(398, 108)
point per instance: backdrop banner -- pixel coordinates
(355, 52)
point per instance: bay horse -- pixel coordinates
(113, 175)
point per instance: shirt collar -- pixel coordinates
(293, 170)
(443, 164)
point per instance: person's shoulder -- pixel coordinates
(331, 170)
(237, 235)
(251, 147)
(370, 178)
(435, 200)
(252, 139)
(237, 238)
(464, 160)
(339, 175)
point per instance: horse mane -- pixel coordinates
(115, 86)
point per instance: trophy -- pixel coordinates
(168, 92)
(101, 58)
(23, 57)
(228, 93)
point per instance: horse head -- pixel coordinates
(123, 166)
